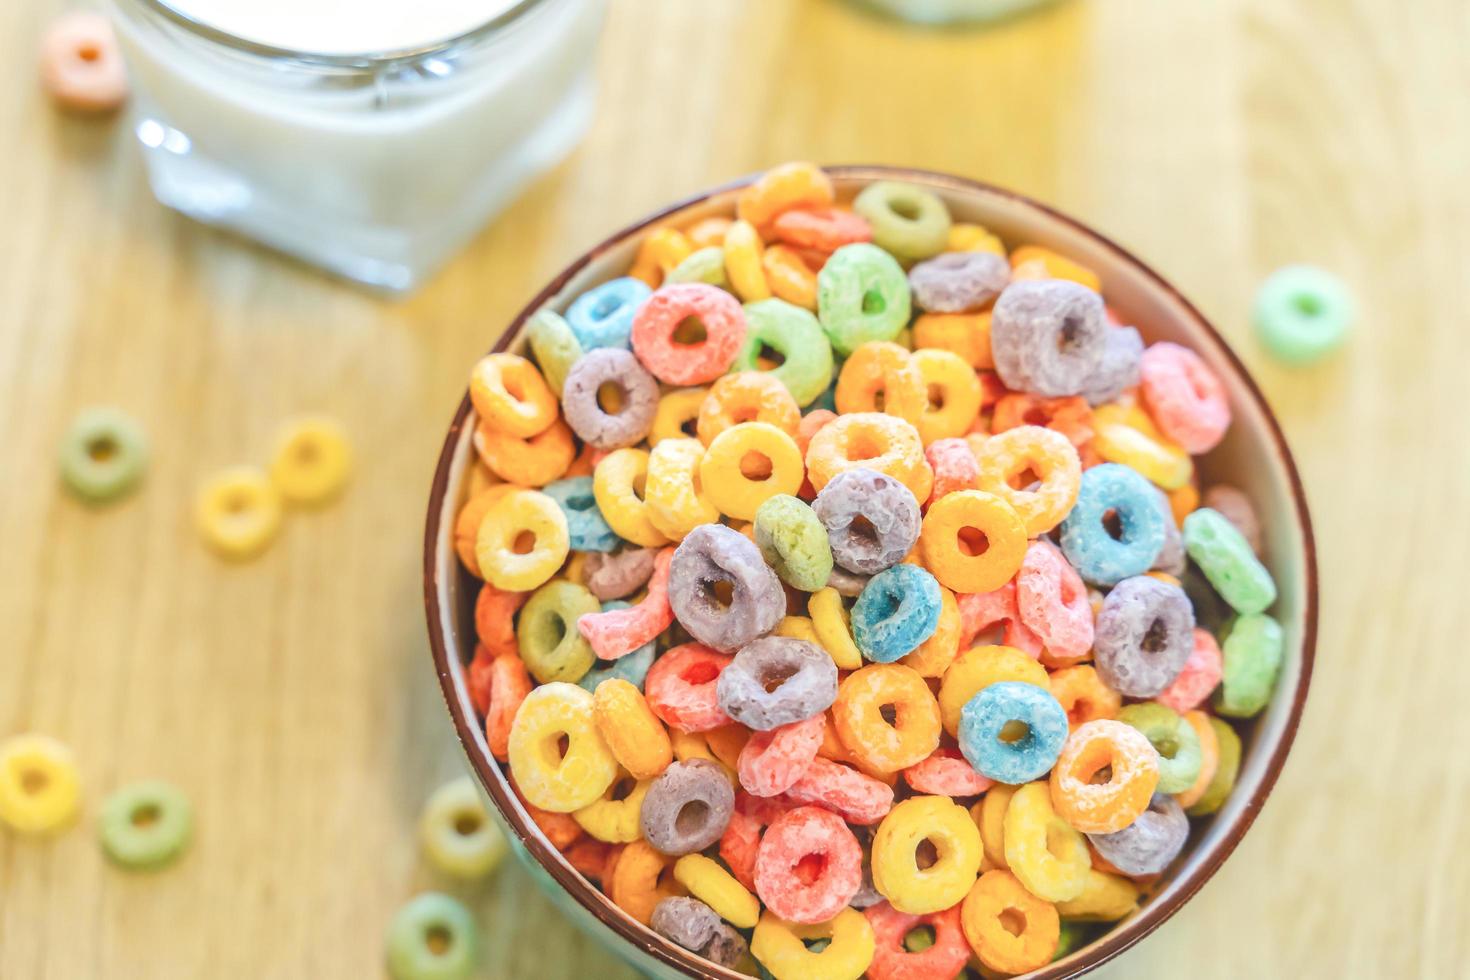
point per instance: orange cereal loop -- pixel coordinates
(743, 265)
(783, 188)
(972, 541)
(935, 654)
(636, 738)
(708, 232)
(726, 742)
(881, 376)
(1106, 807)
(965, 334)
(532, 462)
(1011, 461)
(1072, 417)
(1209, 744)
(869, 440)
(589, 856)
(1036, 262)
(748, 396)
(789, 277)
(467, 524)
(495, 610)
(511, 396)
(952, 395)
(1010, 929)
(634, 881)
(660, 251)
(479, 478)
(1083, 695)
(886, 746)
(560, 829)
(1183, 502)
(81, 66)
(973, 238)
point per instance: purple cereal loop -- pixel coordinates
(1047, 336)
(687, 807)
(686, 921)
(1144, 635)
(1171, 559)
(958, 282)
(619, 575)
(726, 947)
(1119, 368)
(713, 553)
(1149, 844)
(777, 681)
(585, 414)
(849, 584)
(888, 507)
(1236, 507)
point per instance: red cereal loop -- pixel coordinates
(495, 611)
(1198, 679)
(739, 845)
(618, 632)
(857, 798)
(589, 856)
(660, 316)
(954, 466)
(809, 865)
(944, 960)
(477, 678)
(680, 688)
(979, 611)
(821, 229)
(946, 773)
(1052, 601)
(509, 685)
(771, 762)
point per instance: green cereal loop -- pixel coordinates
(1075, 934)
(806, 370)
(145, 825)
(1180, 755)
(550, 644)
(103, 455)
(457, 834)
(1224, 555)
(433, 937)
(907, 220)
(705, 265)
(862, 295)
(793, 542)
(1302, 313)
(554, 346)
(1224, 779)
(1252, 653)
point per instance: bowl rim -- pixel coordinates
(1152, 914)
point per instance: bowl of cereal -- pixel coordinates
(862, 570)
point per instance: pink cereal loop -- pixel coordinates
(618, 632)
(771, 762)
(979, 611)
(1186, 399)
(788, 842)
(946, 773)
(81, 66)
(954, 467)
(855, 797)
(1198, 679)
(1053, 603)
(659, 317)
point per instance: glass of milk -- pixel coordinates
(370, 137)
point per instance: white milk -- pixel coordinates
(376, 168)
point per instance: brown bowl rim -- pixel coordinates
(1152, 914)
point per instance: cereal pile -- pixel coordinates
(832, 615)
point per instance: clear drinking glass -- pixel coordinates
(378, 166)
(952, 11)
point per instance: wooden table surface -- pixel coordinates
(293, 698)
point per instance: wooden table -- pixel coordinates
(292, 697)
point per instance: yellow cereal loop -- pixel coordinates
(675, 499)
(978, 668)
(745, 466)
(693, 745)
(239, 512)
(313, 459)
(1104, 898)
(1036, 262)
(629, 727)
(522, 542)
(973, 238)
(972, 541)
(39, 789)
(618, 486)
(660, 251)
(743, 266)
(964, 334)
(677, 414)
(996, 907)
(781, 948)
(957, 847)
(1010, 460)
(833, 627)
(548, 777)
(797, 628)
(511, 396)
(953, 394)
(707, 881)
(1127, 435)
(992, 816)
(1044, 852)
(615, 819)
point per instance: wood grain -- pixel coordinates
(292, 697)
